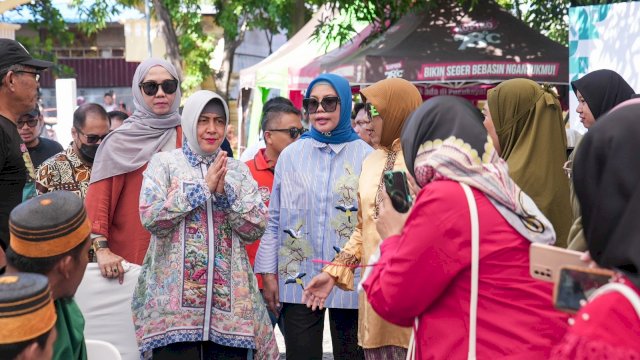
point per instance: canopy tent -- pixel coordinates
(452, 47)
(273, 72)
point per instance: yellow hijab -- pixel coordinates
(530, 129)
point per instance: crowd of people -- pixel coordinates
(146, 232)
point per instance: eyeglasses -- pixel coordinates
(36, 73)
(32, 122)
(329, 104)
(150, 88)
(363, 123)
(93, 139)
(371, 111)
(294, 132)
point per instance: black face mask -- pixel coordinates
(88, 151)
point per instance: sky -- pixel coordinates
(68, 13)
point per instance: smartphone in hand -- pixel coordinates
(576, 284)
(397, 187)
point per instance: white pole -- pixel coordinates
(66, 105)
(147, 13)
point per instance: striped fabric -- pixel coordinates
(386, 353)
(312, 213)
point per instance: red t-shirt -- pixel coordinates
(263, 174)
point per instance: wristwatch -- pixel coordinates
(99, 244)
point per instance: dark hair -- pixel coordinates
(278, 100)
(275, 111)
(118, 115)
(356, 109)
(80, 115)
(11, 351)
(41, 265)
(109, 93)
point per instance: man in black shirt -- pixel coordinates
(40, 148)
(19, 75)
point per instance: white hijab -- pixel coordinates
(192, 109)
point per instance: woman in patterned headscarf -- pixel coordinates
(389, 103)
(424, 266)
(525, 121)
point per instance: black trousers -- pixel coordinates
(203, 350)
(303, 337)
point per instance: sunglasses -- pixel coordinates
(150, 88)
(294, 132)
(32, 122)
(371, 111)
(329, 104)
(93, 139)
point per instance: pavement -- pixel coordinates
(327, 349)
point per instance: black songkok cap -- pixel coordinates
(26, 308)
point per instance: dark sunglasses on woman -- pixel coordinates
(294, 132)
(329, 104)
(150, 88)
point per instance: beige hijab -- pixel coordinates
(395, 100)
(530, 129)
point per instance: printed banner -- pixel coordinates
(486, 70)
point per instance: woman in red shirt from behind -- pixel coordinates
(424, 269)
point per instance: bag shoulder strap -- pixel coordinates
(475, 264)
(622, 289)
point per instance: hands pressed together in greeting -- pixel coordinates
(216, 173)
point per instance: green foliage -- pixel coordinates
(55, 30)
(550, 17)
(196, 47)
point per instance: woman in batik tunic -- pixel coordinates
(197, 296)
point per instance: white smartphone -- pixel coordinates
(545, 261)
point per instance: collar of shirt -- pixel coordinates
(73, 157)
(335, 147)
(261, 162)
(197, 159)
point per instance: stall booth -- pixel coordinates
(448, 51)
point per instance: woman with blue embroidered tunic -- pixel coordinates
(312, 212)
(197, 297)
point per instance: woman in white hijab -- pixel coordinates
(197, 296)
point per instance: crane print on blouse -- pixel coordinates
(297, 249)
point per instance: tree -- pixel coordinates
(550, 17)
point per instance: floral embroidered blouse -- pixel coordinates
(312, 213)
(196, 283)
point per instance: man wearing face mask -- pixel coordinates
(71, 169)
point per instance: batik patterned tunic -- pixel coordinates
(196, 283)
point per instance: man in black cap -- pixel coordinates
(50, 236)
(19, 75)
(30, 129)
(27, 317)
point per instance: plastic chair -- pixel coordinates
(101, 350)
